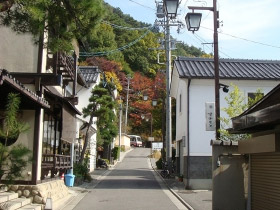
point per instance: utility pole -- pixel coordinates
(194, 26)
(216, 66)
(120, 128)
(126, 108)
(168, 98)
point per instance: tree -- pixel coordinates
(101, 106)
(64, 20)
(236, 106)
(13, 160)
(12, 127)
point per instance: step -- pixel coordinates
(31, 207)
(17, 203)
(3, 188)
(6, 196)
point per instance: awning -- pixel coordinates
(262, 116)
(69, 112)
(29, 99)
(51, 91)
(68, 125)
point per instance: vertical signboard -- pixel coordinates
(210, 116)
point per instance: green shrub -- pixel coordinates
(159, 163)
(81, 170)
(116, 153)
(122, 148)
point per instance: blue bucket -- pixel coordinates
(69, 180)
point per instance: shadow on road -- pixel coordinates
(135, 184)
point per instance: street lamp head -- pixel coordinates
(193, 21)
(145, 97)
(154, 102)
(171, 7)
(225, 87)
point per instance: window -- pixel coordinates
(51, 134)
(184, 141)
(180, 103)
(252, 96)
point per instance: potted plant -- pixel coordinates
(180, 177)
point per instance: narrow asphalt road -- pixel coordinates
(131, 185)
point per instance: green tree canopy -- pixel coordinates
(64, 20)
(102, 105)
(237, 104)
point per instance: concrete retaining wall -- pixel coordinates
(230, 177)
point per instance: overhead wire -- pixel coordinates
(244, 39)
(87, 54)
(220, 51)
(142, 5)
(125, 27)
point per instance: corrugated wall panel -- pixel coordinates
(265, 181)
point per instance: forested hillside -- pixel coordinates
(136, 47)
(125, 48)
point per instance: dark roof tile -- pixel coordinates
(90, 73)
(229, 68)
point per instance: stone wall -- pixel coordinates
(39, 193)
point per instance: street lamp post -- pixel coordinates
(170, 7)
(143, 116)
(126, 107)
(193, 25)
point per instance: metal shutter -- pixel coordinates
(265, 181)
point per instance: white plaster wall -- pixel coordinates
(202, 91)
(27, 138)
(18, 53)
(125, 141)
(84, 94)
(181, 116)
(180, 86)
(92, 157)
(40, 145)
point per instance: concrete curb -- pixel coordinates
(188, 206)
(78, 194)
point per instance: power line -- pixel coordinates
(87, 54)
(202, 40)
(125, 27)
(244, 39)
(142, 5)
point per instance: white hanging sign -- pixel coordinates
(210, 116)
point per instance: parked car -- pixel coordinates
(135, 141)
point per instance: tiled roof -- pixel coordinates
(203, 68)
(90, 73)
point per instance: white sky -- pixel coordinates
(254, 20)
